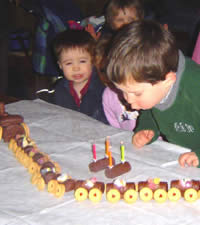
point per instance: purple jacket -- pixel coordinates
(116, 113)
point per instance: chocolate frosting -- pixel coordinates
(117, 170)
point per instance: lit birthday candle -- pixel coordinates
(122, 148)
(110, 159)
(107, 146)
(94, 152)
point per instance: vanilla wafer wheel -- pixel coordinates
(146, 194)
(40, 184)
(18, 153)
(24, 159)
(60, 190)
(52, 185)
(26, 129)
(21, 157)
(1, 132)
(174, 194)
(130, 196)
(27, 161)
(113, 195)
(198, 194)
(81, 194)
(190, 195)
(11, 142)
(14, 147)
(160, 195)
(33, 168)
(35, 177)
(95, 195)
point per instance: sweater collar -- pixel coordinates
(171, 96)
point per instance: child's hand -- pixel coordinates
(90, 29)
(142, 137)
(189, 158)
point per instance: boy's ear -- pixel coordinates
(59, 65)
(170, 78)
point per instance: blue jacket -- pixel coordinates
(91, 102)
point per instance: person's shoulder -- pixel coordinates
(61, 84)
(191, 67)
(96, 81)
(109, 95)
(109, 92)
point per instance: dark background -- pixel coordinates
(182, 17)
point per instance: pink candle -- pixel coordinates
(94, 152)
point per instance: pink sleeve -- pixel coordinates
(196, 52)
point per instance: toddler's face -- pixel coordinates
(76, 65)
(143, 95)
(124, 17)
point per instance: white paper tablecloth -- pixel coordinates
(66, 136)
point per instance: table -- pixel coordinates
(66, 136)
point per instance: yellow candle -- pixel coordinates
(122, 148)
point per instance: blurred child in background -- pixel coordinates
(117, 14)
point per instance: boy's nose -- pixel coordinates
(129, 98)
(76, 67)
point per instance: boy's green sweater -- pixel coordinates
(179, 122)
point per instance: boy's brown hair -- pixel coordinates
(100, 58)
(144, 51)
(70, 39)
(113, 7)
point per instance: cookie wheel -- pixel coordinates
(160, 195)
(174, 194)
(21, 158)
(18, 153)
(95, 195)
(24, 160)
(27, 161)
(60, 190)
(146, 194)
(1, 132)
(113, 195)
(11, 143)
(198, 193)
(40, 184)
(81, 194)
(33, 168)
(35, 177)
(52, 185)
(130, 196)
(14, 147)
(190, 195)
(26, 129)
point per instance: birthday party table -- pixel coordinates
(67, 136)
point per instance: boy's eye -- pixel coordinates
(119, 20)
(83, 61)
(131, 19)
(138, 94)
(68, 63)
